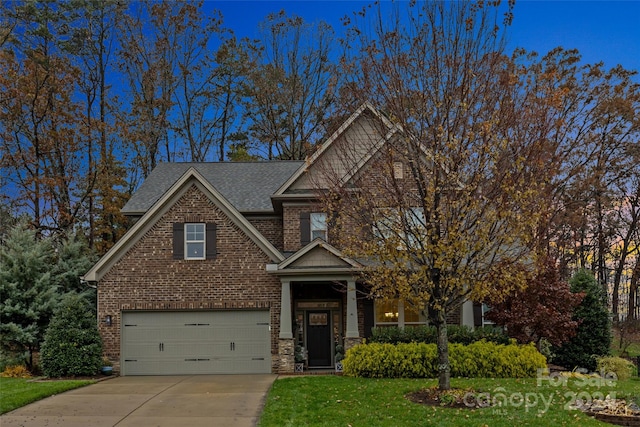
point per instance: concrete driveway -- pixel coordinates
(199, 400)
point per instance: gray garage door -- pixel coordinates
(205, 342)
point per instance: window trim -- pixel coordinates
(203, 241)
(314, 220)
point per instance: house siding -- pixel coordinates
(148, 278)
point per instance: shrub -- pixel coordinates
(420, 360)
(428, 334)
(593, 336)
(72, 345)
(623, 368)
(11, 359)
(17, 371)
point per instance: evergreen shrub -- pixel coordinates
(72, 345)
(428, 334)
(480, 359)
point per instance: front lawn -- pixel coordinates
(17, 392)
(344, 401)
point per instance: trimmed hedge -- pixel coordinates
(428, 334)
(419, 360)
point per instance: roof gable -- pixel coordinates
(318, 254)
(161, 206)
(358, 128)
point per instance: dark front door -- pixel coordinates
(319, 338)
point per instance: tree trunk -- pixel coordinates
(634, 312)
(444, 369)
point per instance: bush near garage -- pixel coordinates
(72, 345)
(428, 334)
(481, 359)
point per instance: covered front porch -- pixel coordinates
(320, 317)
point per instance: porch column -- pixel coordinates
(467, 314)
(352, 311)
(285, 310)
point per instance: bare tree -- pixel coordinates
(291, 90)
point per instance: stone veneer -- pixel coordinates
(286, 353)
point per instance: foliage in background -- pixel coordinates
(542, 310)
(28, 291)
(418, 360)
(628, 332)
(593, 336)
(622, 368)
(72, 345)
(34, 275)
(429, 334)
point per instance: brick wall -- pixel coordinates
(271, 228)
(291, 223)
(148, 278)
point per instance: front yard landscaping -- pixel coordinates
(346, 401)
(17, 392)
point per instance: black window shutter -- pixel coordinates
(305, 228)
(477, 314)
(211, 240)
(178, 240)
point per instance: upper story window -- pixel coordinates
(407, 227)
(318, 223)
(195, 241)
(312, 226)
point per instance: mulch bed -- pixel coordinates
(454, 398)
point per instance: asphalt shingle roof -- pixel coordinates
(247, 185)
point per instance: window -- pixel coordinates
(485, 321)
(395, 312)
(312, 226)
(407, 228)
(398, 170)
(194, 241)
(318, 226)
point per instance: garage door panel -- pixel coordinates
(165, 343)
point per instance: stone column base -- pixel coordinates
(286, 351)
(351, 342)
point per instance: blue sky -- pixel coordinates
(607, 31)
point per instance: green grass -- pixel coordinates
(344, 401)
(17, 392)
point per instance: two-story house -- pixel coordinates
(229, 266)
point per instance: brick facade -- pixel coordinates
(291, 223)
(148, 278)
(271, 228)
